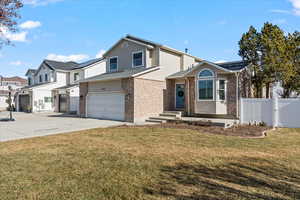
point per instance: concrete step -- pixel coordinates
(174, 112)
(163, 118)
(169, 115)
(156, 121)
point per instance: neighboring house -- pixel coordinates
(209, 89)
(134, 86)
(277, 91)
(7, 83)
(54, 86)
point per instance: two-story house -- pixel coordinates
(134, 85)
(8, 84)
(54, 85)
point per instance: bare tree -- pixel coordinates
(8, 16)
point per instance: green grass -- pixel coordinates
(151, 163)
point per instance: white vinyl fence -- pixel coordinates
(273, 112)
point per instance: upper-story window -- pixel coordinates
(137, 59)
(40, 78)
(46, 77)
(206, 85)
(113, 64)
(76, 76)
(29, 81)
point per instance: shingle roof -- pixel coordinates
(61, 65)
(87, 63)
(229, 66)
(118, 75)
(233, 66)
(30, 71)
(67, 86)
(15, 79)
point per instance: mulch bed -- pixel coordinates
(245, 131)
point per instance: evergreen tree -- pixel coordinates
(273, 45)
(250, 51)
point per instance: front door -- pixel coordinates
(180, 89)
(62, 103)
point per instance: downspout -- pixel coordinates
(237, 95)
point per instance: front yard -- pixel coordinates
(151, 163)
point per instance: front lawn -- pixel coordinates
(151, 163)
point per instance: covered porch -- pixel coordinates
(204, 91)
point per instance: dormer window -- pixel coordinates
(46, 77)
(113, 64)
(40, 78)
(137, 59)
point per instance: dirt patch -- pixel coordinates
(245, 131)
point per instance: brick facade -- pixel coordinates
(149, 98)
(170, 94)
(128, 87)
(231, 95)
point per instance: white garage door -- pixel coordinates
(106, 106)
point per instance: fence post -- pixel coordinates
(241, 111)
(275, 112)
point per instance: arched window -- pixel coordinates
(206, 73)
(206, 85)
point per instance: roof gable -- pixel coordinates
(229, 67)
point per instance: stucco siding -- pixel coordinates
(3, 104)
(39, 103)
(124, 53)
(187, 61)
(95, 70)
(72, 78)
(170, 63)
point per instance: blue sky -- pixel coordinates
(81, 29)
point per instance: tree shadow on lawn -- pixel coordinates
(266, 179)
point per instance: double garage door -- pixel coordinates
(106, 106)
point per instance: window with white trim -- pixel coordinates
(113, 64)
(76, 76)
(206, 85)
(222, 90)
(137, 59)
(46, 77)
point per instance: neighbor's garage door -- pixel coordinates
(24, 103)
(106, 106)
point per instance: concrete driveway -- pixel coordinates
(42, 124)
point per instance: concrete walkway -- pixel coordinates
(42, 124)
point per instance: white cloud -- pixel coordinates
(40, 2)
(223, 22)
(100, 53)
(62, 58)
(296, 5)
(279, 21)
(30, 24)
(14, 37)
(295, 11)
(16, 63)
(280, 11)
(221, 61)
